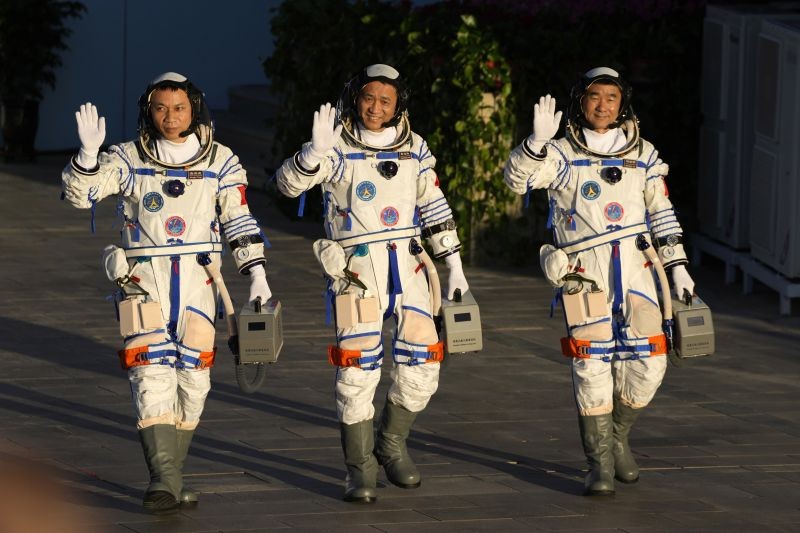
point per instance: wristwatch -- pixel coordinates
(448, 224)
(245, 240)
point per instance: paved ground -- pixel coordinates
(498, 448)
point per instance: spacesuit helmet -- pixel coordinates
(575, 114)
(347, 106)
(200, 122)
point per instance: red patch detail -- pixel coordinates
(242, 188)
(648, 264)
(209, 281)
(436, 181)
(175, 226)
(419, 267)
(135, 279)
(666, 190)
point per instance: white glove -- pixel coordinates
(258, 284)
(92, 133)
(456, 279)
(545, 122)
(681, 280)
(324, 135)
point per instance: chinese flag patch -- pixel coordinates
(242, 188)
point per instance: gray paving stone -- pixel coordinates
(498, 447)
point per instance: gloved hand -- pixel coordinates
(545, 122)
(456, 279)
(681, 280)
(324, 134)
(258, 284)
(92, 133)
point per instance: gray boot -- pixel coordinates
(597, 434)
(625, 468)
(362, 468)
(391, 449)
(159, 443)
(189, 496)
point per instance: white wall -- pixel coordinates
(120, 45)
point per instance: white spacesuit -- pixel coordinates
(608, 202)
(181, 195)
(381, 197)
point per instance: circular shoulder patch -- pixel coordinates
(590, 190)
(153, 202)
(389, 216)
(365, 190)
(614, 211)
(175, 226)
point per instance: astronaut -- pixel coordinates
(608, 203)
(180, 194)
(381, 195)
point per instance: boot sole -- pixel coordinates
(362, 500)
(406, 485)
(160, 503)
(626, 480)
(599, 493)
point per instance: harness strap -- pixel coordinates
(174, 249)
(174, 295)
(200, 361)
(616, 266)
(395, 285)
(609, 350)
(415, 354)
(382, 155)
(174, 173)
(608, 163)
(347, 358)
(142, 355)
(617, 233)
(380, 236)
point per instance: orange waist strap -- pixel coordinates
(341, 357)
(131, 357)
(436, 352)
(141, 355)
(607, 350)
(344, 358)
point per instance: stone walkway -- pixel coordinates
(498, 448)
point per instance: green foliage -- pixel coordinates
(32, 36)
(656, 45)
(455, 53)
(467, 118)
(320, 44)
(459, 80)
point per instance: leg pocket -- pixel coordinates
(198, 331)
(417, 327)
(645, 315)
(593, 331)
